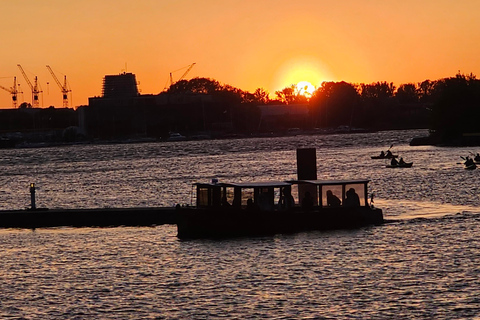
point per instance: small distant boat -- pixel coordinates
(175, 136)
(472, 166)
(401, 165)
(385, 156)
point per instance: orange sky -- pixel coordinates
(245, 43)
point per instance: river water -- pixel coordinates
(423, 264)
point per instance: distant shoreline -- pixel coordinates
(465, 140)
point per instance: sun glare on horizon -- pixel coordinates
(304, 72)
(305, 88)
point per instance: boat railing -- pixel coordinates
(283, 195)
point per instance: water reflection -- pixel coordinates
(161, 174)
(406, 209)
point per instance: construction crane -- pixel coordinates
(34, 88)
(189, 67)
(13, 91)
(63, 88)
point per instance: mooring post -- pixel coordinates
(32, 196)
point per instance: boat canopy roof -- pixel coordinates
(280, 184)
(261, 184)
(330, 182)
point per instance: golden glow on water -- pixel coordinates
(410, 269)
(409, 209)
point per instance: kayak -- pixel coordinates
(405, 165)
(385, 157)
(471, 167)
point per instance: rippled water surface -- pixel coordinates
(423, 264)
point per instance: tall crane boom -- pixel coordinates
(183, 75)
(188, 70)
(13, 91)
(63, 87)
(34, 88)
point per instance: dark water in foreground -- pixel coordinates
(424, 264)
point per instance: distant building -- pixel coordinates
(122, 112)
(123, 85)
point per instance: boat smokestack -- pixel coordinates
(307, 164)
(307, 170)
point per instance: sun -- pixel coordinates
(305, 72)
(305, 88)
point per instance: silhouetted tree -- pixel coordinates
(261, 96)
(407, 93)
(456, 109)
(335, 103)
(378, 90)
(286, 95)
(25, 105)
(290, 95)
(196, 85)
(425, 90)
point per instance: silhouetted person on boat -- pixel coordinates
(382, 154)
(477, 158)
(287, 201)
(352, 199)
(401, 162)
(332, 200)
(394, 162)
(225, 202)
(389, 154)
(237, 202)
(307, 202)
(251, 206)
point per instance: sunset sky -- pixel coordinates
(248, 44)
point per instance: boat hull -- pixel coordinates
(405, 165)
(195, 223)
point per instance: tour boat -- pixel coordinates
(225, 210)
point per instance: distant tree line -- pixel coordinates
(374, 106)
(449, 107)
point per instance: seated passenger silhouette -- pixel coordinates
(287, 201)
(351, 198)
(332, 200)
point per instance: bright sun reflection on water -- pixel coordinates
(407, 209)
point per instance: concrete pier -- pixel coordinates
(102, 217)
